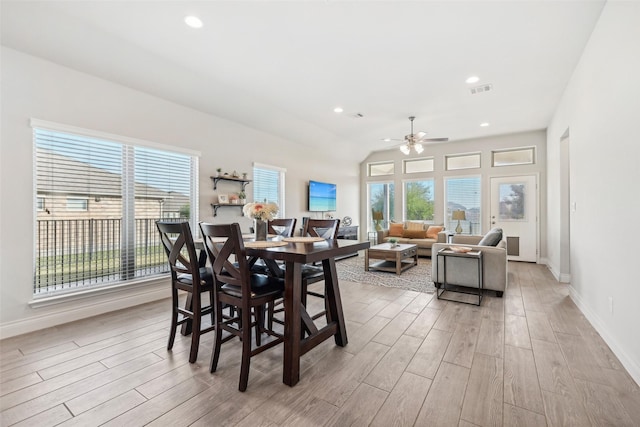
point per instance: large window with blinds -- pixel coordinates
(419, 200)
(96, 203)
(268, 185)
(463, 204)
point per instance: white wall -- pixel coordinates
(601, 108)
(34, 88)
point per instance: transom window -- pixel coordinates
(462, 161)
(523, 156)
(419, 165)
(379, 169)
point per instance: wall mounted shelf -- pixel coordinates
(216, 206)
(215, 180)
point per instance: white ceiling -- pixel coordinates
(282, 66)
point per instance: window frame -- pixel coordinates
(416, 160)
(451, 224)
(71, 208)
(127, 238)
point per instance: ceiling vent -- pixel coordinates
(358, 115)
(481, 89)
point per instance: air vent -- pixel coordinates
(358, 115)
(481, 89)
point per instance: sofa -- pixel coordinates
(464, 271)
(415, 233)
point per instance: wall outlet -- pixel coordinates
(611, 305)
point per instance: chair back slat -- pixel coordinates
(325, 228)
(227, 254)
(176, 247)
(284, 227)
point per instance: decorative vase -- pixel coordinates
(260, 228)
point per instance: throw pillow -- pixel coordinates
(395, 229)
(414, 225)
(492, 238)
(413, 234)
(433, 230)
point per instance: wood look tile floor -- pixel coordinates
(528, 359)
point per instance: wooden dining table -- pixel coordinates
(296, 318)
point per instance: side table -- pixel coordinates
(445, 253)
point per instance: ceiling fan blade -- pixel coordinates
(391, 139)
(434, 139)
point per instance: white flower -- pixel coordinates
(262, 211)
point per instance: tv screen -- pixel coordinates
(322, 196)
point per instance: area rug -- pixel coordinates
(416, 278)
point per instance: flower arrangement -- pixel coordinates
(261, 211)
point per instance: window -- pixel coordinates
(40, 203)
(463, 203)
(378, 169)
(381, 205)
(268, 185)
(76, 204)
(462, 161)
(523, 156)
(419, 165)
(418, 200)
(103, 199)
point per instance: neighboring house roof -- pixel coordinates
(59, 174)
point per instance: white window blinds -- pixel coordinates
(102, 201)
(268, 185)
(463, 194)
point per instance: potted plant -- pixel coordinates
(244, 175)
(219, 171)
(393, 241)
(243, 197)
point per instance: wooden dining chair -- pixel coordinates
(284, 227)
(236, 285)
(186, 275)
(327, 229)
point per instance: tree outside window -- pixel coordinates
(418, 200)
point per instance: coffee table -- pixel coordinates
(394, 259)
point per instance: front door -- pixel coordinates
(514, 209)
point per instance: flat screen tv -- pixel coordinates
(322, 196)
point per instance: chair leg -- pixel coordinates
(246, 350)
(217, 342)
(195, 333)
(259, 315)
(174, 318)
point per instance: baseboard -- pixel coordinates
(89, 309)
(552, 268)
(629, 364)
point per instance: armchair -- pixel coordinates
(464, 272)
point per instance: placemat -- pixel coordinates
(307, 239)
(265, 244)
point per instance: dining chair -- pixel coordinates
(284, 227)
(186, 275)
(236, 285)
(327, 229)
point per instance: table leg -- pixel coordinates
(398, 263)
(332, 294)
(366, 260)
(292, 323)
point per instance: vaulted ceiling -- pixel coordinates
(283, 66)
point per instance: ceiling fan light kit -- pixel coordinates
(414, 140)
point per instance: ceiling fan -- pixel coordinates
(415, 140)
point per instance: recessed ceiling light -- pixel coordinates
(473, 79)
(193, 21)
(338, 110)
(484, 125)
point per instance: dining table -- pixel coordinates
(300, 332)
